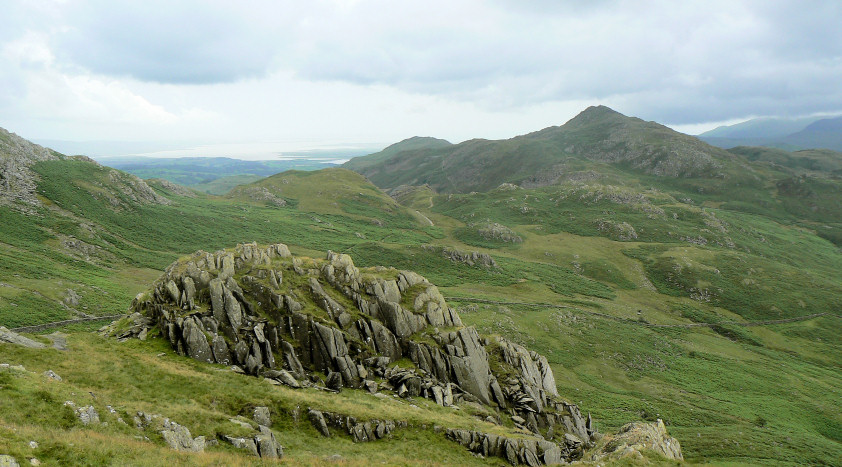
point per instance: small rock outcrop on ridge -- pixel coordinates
(288, 318)
(636, 437)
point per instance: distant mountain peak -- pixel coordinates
(594, 114)
(419, 141)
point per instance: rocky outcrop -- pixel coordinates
(176, 436)
(292, 320)
(496, 232)
(10, 337)
(633, 438)
(17, 181)
(260, 194)
(471, 258)
(360, 431)
(179, 438)
(532, 451)
(171, 187)
(261, 444)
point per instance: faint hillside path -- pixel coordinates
(643, 323)
(425, 217)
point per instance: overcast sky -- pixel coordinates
(380, 71)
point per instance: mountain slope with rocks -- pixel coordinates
(598, 135)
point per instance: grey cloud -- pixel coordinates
(678, 62)
(716, 59)
(169, 42)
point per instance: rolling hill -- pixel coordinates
(660, 278)
(596, 137)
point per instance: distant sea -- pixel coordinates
(105, 151)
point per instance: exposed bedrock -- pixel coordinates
(302, 322)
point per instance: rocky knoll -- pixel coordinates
(17, 182)
(326, 323)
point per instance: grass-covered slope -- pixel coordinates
(148, 376)
(604, 254)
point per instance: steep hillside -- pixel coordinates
(416, 143)
(598, 135)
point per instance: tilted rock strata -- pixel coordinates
(287, 318)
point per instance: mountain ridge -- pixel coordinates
(597, 134)
(795, 134)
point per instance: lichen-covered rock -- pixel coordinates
(261, 444)
(87, 415)
(261, 416)
(287, 318)
(10, 337)
(179, 438)
(318, 420)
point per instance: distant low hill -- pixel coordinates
(790, 134)
(816, 160)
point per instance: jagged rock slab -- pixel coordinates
(10, 337)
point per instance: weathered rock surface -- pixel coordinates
(179, 438)
(636, 437)
(8, 461)
(17, 181)
(261, 444)
(87, 415)
(286, 318)
(10, 337)
(176, 436)
(361, 431)
(528, 451)
(471, 258)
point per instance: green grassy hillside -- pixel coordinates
(651, 296)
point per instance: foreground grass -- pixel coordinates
(147, 376)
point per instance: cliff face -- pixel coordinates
(329, 324)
